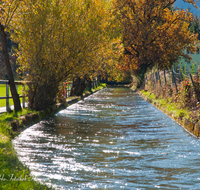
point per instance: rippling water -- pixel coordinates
(113, 139)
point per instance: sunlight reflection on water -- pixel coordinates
(113, 139)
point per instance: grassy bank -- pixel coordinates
(99, 87)
(186, 117)
(171, 108)
(13, 175)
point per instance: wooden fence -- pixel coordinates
(7, 97)
(68, 86)
(170, 77)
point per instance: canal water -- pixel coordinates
(113, 139)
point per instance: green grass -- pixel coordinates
(3, 94)
(100, 87)
(134, 88)
(13, 175)
(173, 108)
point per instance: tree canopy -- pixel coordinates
(58, 39)
(154, 34)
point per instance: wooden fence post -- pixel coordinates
(68, 89)
(194, 87)
(7, 98)
(174, 80)
(165, 78)
(152, 79)
(159, 78)
(154, 76)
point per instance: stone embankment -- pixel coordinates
(190, 127)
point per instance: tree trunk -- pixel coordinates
(78, 87)
(13, 90)
(140, 74)
(80, 84)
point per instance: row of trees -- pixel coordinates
(59, 39)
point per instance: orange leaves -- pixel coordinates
(154, 33)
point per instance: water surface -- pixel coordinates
(113, 139)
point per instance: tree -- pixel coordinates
(195, 26)
(154, 34)
(8, 9)
(58, 39)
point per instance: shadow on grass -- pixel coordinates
(13, 175)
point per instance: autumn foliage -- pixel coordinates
(154, 34)
(59, 40)
(79, 39)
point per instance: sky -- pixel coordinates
(181, 4)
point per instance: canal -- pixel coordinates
(113, 139)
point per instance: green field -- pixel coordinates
(3, 94)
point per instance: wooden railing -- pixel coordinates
(7, 97)
(68, 87)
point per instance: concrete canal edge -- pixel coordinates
(190, 127)
(25, 121)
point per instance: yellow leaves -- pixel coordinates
(7, 11)
(60, 38)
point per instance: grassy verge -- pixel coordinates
(13, 175)
(99, 87)
(187, 117)
(171, 108)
